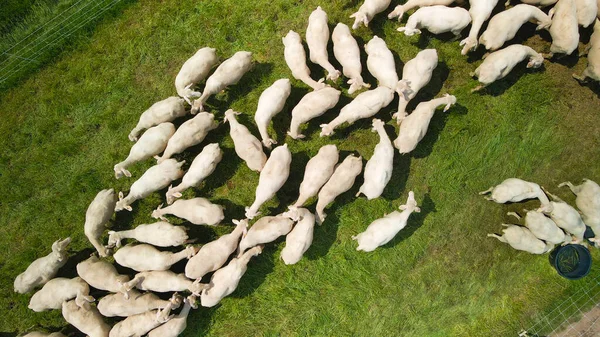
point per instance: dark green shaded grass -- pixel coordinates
(64, 129)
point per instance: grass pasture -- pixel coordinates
(65, 126)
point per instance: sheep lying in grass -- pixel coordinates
(160, 112)
(564, 29)
(103, 275)
(437, 20)
(144, 257)
(346, 51)
(521, 238)
(270, 103)
(300, 238)
(295, 57)
(116, 305)
(160, 234)
(228, 73)
(266, 229)
(515, 190)
(247, 147)
(318, 170)
(312, 105)
(383, 230)
(97, 216)
(164, 281)
(378, 170)
(199, 211)
(87, 320)
(543, 227)
(177, 324)
(43, 269)
(191, 132)
(341, 181)
(317, 38)
(480, 11)
(58, 290)
(593, 57)
(500, 63)
(380, 63)
(272, 177)
(368, 10)
(193, 71)
(588, 202)
(566, 217)
(410, 4)
(505, 25)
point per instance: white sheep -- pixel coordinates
(87, 320)
(103, 275)
(160, 234)
(214, 254)
(500, 63)
(145, 257)
(587, 11)
(593, 57)
(383, 230)
(97, 216)
(202, 166)
(378, 170)
(43, 269)
(270, 103)
(543, 227)
(504, 26)
(540, 3)
(247, 147)
(191, 132)
(43, 334)
(300, 238)
(58, 290)
(368, 10)
(312, 105)
(140, 324)
(588, 202)
(295, 57)
(151, 143)
(176, 325)
(272, 177)
(341, 181)
(521, 238)
(380, 63)
(155, 178)
(566, 217)
(346, 51)
(437, 20)
(515, 190)
(480, 11)
(164, 281)
(318, 170)
(317, 38)
(266, 229)
(564, 29)
(199, 211)
(414, 127)
(163, 111)
(399, 10)
(193, 71)
(416, 74)
(117, 305)
(228, 73)
(225, 280)
(365, 105)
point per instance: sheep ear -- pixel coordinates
(128, 208)
(121, 195)
(177, 195)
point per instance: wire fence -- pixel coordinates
(35, 48)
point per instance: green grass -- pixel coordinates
(66, 126)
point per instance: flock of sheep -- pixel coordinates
(145, 313)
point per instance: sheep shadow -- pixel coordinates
(231, 210)
(69, 270)
(199, 322)
(282, 121)
(568, 61)
(8, 334)
(259, 267)
(415, 222)
(395, 187)
(288, 193)
(437, 124)
(223, 173)
(498, 87)
(592, 85)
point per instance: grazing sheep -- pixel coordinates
(228, 73)
(593, 57)
(566, 217)
(416, 74)
(480, 11)
(365, 105)
(175, 326)
(380, 63)
(43, 269)
(515, 190)
(191, 132)
(270, 103)
(346, 51)
(587, 11)
(295, 57)
(521, 238)
(368, 10)
(564, 30)
(152, 143)
(193, 71)
(160, 112)
(543, 227)
(43, 334)
(225, 280)
(117, 305)
(266, 229)
(410, 4)
(145, 257)
(164, 281)
(383, 230)
(588, 202)
(317, 38)
(97, 216)
(103, 275)
(160, 234)
(58, 290)
(247, 147)
(318, 170)
(300, 238)
(505, 25)
(341, 181)
(272, 177)
(378, 170)
(312, 105)
(437, 20)
(155, 178)
(199, 211)
(214, 254)
(203, 165)
(87, 320)
(414, 127)
(140, 324)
